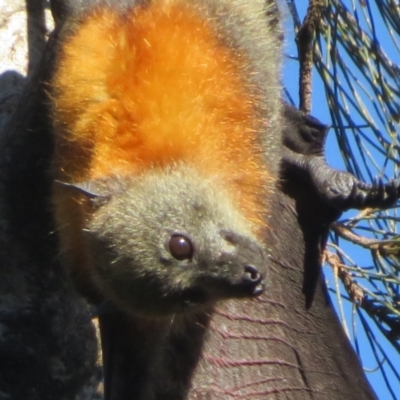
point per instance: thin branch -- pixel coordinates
(305, 39)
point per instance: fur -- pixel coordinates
(142, 88)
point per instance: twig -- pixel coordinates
(370, 244)
(305, 45)
(355, 292)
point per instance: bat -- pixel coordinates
(161, 116)
(167, 127)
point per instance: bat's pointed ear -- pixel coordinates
(62, 9)
(90, 189)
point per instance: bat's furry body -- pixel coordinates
(165, 108)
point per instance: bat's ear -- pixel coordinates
(62, 9)
(90, 189)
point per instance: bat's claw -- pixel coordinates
(344, 191)
(375, 195)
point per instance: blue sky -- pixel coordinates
(320, 110)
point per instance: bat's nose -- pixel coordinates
(253, 279)
(251, 274)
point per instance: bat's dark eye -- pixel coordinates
(181, 247)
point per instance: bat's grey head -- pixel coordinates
(170, 241)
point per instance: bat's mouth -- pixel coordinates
(192, 297)
(251, 284)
